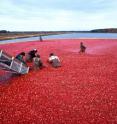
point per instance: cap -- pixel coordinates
(35, 49)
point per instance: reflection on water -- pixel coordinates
(65, 36)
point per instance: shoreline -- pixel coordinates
(10, 36)
(11, 40)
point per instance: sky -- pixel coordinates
(57, 15)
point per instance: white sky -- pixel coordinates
(51, 15)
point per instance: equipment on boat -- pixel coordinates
(10, 63)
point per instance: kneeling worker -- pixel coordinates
(54, 60)
(20, 57)
(31, 54)
(37, 62)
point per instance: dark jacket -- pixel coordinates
(20, 58)
(32, 54)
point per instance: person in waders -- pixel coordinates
(30, 55)
(54, 60)
(82, 48)
(20, 57)
(37, 62)
(40, 38)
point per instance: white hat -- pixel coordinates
(35, 49)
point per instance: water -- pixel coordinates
(83, 35)
(65, 36)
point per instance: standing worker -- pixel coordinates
(40, 38)
(82, 48)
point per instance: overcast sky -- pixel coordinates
(46, 15)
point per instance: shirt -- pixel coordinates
(53, 57)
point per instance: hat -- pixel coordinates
(35, 49)
(51, 54)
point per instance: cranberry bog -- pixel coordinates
(82, 91)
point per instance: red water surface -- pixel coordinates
(82, 91)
